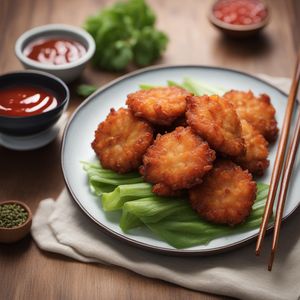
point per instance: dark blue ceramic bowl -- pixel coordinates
(36, 123)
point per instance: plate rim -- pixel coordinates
(105, 229)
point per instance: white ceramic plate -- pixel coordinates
(80, 133)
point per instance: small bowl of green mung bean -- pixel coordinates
(15, 221)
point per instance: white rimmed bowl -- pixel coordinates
(67, 72)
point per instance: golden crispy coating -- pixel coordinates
(215, 119)
(162, 189)
(161, 105)
(176, 160)
(255, 158)
(226, 195)
(121, 141)
(179, 122)
(258, 111)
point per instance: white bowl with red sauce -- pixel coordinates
(239, 18)
(31, 102)
(59, 49)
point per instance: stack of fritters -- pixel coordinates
(206, 146)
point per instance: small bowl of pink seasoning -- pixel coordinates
(239, 18)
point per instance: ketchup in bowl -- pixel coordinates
(240, 12)
(55, 51)
(25, 101)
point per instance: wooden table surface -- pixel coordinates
(27, 272)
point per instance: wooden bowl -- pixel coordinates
(238, 31)
(10, 235)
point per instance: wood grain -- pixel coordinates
(28, 273)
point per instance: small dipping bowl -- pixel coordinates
(14, 234)
(32, 124)
(235, 30)
(67, 71)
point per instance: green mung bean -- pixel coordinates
(12, 215)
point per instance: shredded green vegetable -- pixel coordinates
(123, 193)
(171, 219)
(103, 181)
(192, 86)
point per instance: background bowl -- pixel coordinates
(26, 125)
(238, 31)
(68, 71)
(10, 235)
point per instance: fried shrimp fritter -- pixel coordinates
(161, 105)
(176, 160)
(255, 158)
(258, 111)
(226, 195)
(179, 122)
(121, 141)
(216, 121)
(162, 189)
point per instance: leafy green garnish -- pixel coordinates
(125, 32)
(85, 90)
(195, 87)
(171, 219)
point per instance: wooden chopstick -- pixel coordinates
(279, 156)
(288, 168)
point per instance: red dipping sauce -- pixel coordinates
(54, 51)
(25, 101)
(240, 12)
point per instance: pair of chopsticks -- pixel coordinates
(287, 168)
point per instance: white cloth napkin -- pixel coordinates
(60, 226)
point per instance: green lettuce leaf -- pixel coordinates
(171, 219)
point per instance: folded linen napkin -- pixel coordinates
(60, 226)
